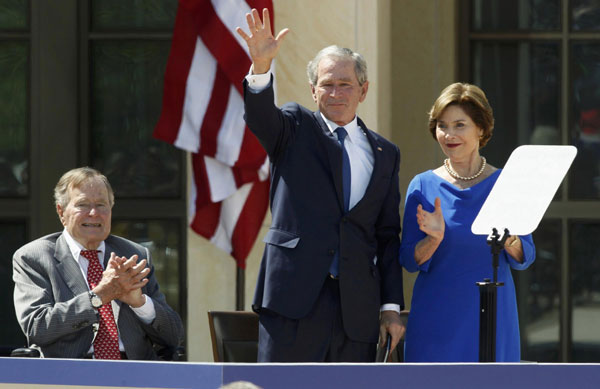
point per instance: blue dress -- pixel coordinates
(443, 324)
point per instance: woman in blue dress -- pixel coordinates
(437, 241)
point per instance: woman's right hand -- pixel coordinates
(432, 223)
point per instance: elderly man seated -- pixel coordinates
(83, 293)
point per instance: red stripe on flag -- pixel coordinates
(244, 175)
(176, 74)
(251, 152)
(226, 49)
(249, 222)
(230, 56)
(206, 218)
(215, 112)
(198, 18)
(200, 180)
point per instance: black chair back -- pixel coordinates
(234, 335)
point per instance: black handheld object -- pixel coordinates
(384, 352)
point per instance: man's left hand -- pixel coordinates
(135, 273)
(390, 323)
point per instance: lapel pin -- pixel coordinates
(379, 148)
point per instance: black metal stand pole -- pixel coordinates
(487, 320)
(488, 292)
(240, 278)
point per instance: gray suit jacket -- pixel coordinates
(54, 309)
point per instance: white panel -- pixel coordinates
(231, 134)
(220, 178)
(198, 90)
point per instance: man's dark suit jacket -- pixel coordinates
(54, 309)
(309, 224)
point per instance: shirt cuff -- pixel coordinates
(390, 307)
(146, 312)
(258, 82)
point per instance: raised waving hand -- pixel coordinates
(263, 47)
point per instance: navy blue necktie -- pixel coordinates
(346, 181)
(346, 177)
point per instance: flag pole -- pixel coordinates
(239, 289)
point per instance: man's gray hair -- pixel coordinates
(360, 65)
(74, 179)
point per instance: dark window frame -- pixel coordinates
(564, 209)
(58, 125)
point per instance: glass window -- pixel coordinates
(585, 121)
(13, 15)
(522, 83)
(518, 51)
(162, 238)
(538, 293)
(585, 290)
(126, 95)
(13, 234)
(14, 67)
(515, 15)
(585, 15)
(133, 14)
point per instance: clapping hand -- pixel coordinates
(432, 223)
(123, 279)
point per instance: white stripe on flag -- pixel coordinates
(220, 178)
(198, 91)
(233, 14)
(230, 212)
(231, 133)
(263, 172)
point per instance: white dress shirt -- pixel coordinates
(146, 312)
(361, 157)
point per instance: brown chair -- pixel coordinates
(234, 335)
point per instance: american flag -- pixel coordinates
(202, 112)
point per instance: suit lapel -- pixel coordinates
(334, 155)
(107, 250)
(69, 267)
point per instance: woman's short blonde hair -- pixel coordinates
(74, 179)
(472, 100)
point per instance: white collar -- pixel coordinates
(351, 128)
(75, 247)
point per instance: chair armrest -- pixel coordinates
(25, 352)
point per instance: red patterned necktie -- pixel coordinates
(106, 343)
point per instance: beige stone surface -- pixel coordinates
(423, 58)
(423, 62)
(211, 287)
(362, 25)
